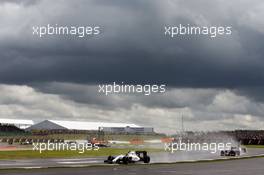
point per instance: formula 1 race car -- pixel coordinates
(130, 157)
(233, 151)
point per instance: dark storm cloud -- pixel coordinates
(132, 47)
(203, 109)
(208, 104)
(254, 93)
(21, 2)
(214, 83)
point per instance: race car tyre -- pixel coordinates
(222, 153)
(232, 153)
(118, 161)
(146, 159)
(125, 160)
(110, 158)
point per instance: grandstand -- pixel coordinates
(79, 126)
(21, 124)
(9, 128)
(245, 137)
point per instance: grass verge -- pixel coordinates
(30, 154)
(254, 146)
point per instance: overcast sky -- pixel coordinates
(216, 84)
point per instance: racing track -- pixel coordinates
(155, 158)
(230, 167)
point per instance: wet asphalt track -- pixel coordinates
(254, 166)
(162, 157)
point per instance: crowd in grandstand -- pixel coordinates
(9, 128)
(246, 137)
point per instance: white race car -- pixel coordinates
(130, 157)
(233, 151)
